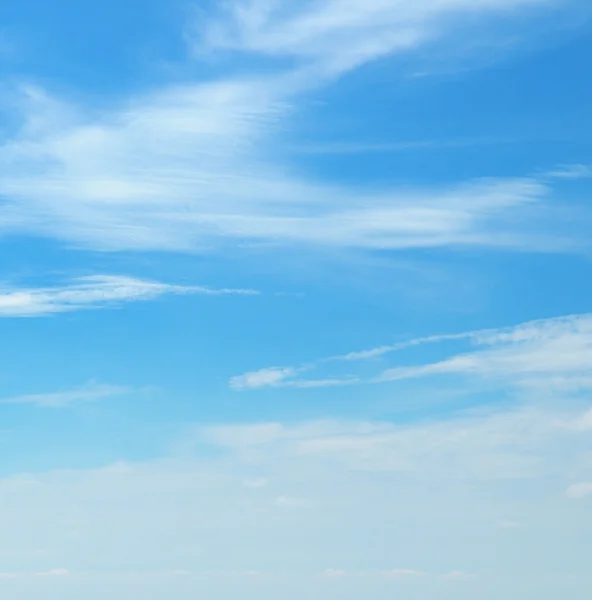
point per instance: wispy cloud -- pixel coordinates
(578, 171)
(287, 377)
(553, 353)
(196, 167)
(87, 393)
(333, 37)
(96, 291)
(193, 169)
(270, 377)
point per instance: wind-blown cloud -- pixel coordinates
(191, 168)
(96, 291)
(335, 36)
(555, 352)
(87, 393)
(196, 167)
(278, 377)
(552, 354)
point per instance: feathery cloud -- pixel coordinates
(196, 167)
(551, 353)
(333, 36)
(96, 291)
(87, 393)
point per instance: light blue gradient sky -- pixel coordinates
(295, 299)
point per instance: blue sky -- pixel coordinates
(295, 299)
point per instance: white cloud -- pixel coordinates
(88, 393)
(381, 350)
(578, 491)
(95, 291)
(270, 377)
(416, 494)
(196, 167)
(284, 377)
(555, 352)
(334, 36)
(550, 354)
(577, 171)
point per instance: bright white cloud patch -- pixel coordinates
(96, 291)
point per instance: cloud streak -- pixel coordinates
(93, 292)
(91, 392)
(546, 354)
(332, 37)
(196, 167)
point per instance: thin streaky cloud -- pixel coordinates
(196, 167)
(93, 292)
(332, 37)
(285, 377)
(554, 353)
(91, 392)
(578, 171)
(381, 350)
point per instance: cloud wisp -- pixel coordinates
(553, 354)
(93, 292)
(91, 392)
(330, 37)
(196, 167)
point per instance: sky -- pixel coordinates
(295, 299)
